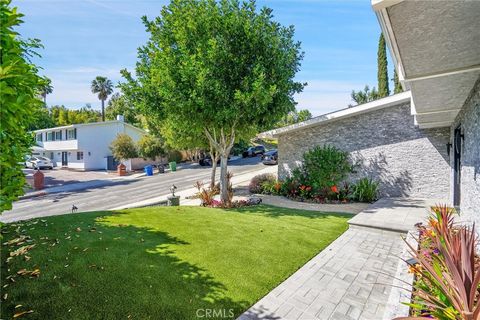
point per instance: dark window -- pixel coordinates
(39, 136)
(72, 134)
(49, 136)
(80, 155)
(58, 135)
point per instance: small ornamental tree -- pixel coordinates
(222, 67)
(20, 87)
(150, 147)
(123, 147)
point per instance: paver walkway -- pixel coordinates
(353, 277)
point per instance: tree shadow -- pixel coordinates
(277, 212)
(113, 271)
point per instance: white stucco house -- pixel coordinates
(83, 146)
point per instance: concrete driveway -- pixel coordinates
(59, 177)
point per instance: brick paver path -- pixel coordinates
(353, 277)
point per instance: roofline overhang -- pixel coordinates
(381, 10)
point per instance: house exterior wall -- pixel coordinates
(407, 161)
(93, 140)
(469, 119)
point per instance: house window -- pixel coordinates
(72, 134)
(39, 137)
(80, 155)
(58, 135)
(50, 136)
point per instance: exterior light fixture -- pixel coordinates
(449, 146)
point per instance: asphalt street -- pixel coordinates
(122, 192)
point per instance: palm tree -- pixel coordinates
(46, 88)
(103, 87)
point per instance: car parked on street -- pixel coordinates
(39, 163)
(254, 151)
(270, 157)
(207, 161)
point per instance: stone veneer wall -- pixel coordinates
(406, 160)
(469, 119)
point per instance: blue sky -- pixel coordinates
(86, 38)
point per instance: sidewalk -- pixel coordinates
(237, 181)
(356, 276)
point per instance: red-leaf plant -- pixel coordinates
(454, 271)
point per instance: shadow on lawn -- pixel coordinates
(126, 272)
(277, 212)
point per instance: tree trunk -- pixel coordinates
(214, 155)
(103, 110)
(223, 179)
(222, 144)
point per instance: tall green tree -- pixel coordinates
(223, 67)
(20, 87)
(397, 86)
(45, 89)
(382, 72)
(119, 105)
(103, 87)
(294, 117)
(363, 96)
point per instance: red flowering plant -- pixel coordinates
(305, 191)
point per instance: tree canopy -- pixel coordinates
(294, 117)
(363, 96)
(20, 87)
(382, 68)
(222, 67)
(103, 87)
(123, 147)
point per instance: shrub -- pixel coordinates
(256, 184)
(205, 195)
(123, 147)
(150, 147)
(325, 167)
(365, 190)
(448, 270)
(174, 155)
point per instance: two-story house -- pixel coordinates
(83, 146)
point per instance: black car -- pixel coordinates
(207, 161)
(254, 151)
(270, 157)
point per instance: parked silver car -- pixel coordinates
(270, 157)
(39, 163)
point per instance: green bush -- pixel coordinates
(123, 147)
(175, 155)
(325, 167)
(365, 190)
(257, 183)
(150, 147)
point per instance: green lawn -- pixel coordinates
(158, 263)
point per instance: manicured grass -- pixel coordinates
(158, 263)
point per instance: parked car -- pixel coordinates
(207, 161)
(254, 151)
(270, 157)
(39, 163)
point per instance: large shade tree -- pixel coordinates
(223, 67)
(19, 91)
(103, 87)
